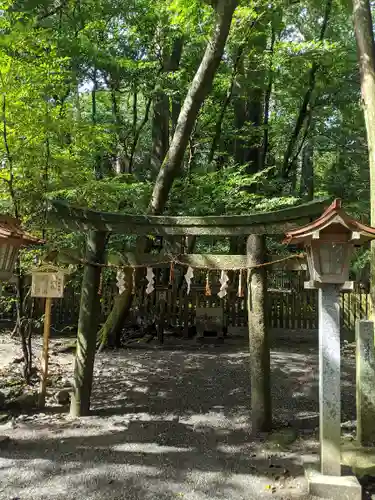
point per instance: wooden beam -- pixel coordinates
(71, 218)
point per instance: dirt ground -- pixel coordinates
(170, 423)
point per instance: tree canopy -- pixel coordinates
(92, 93)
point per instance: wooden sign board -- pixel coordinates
(209, 319)
(48, 284)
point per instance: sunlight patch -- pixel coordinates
(149, 448)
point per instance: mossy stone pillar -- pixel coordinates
(261, 413)
(88, 324)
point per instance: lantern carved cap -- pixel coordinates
(333, 225)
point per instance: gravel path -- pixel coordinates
(171, 424)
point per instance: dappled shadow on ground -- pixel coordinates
(148, 460)
(295, 377)
(170, 424)
(190, 382)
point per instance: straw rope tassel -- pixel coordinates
(207, 291)
(240, 292)
(188, 277)
(224, 284)
(150, 279)
(171, 273)
(100, 288)
(133, 281)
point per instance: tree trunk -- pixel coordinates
(160, 130)
(137, 130)
(307, 173)
(87, 325)
(111, 331)
(197, 93)
(239, 108)
(253, 152)
(366, 56)
(267, 102)
(305, 109)
(261, 413)
(174, 65)
(217, 133)
(120, 161)
(160, 121)
(249, 109)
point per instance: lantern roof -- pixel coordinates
(10, 229)
(333, 225)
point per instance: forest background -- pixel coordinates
(178, 106)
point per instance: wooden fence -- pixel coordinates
(290, 306)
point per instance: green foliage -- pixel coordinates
(78, 82)
(224, 192)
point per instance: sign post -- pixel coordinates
(45, 353)
(48, 285)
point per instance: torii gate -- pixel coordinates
(97, 225)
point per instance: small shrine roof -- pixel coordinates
(333, 215)
(10, 229)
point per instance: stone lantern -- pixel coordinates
(329, 242)
(12, 238)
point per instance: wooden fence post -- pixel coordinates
(261, 413)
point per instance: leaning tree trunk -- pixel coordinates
(366, 56)
(171, 167)
(197, 93)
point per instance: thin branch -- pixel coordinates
(135, 110)
(10, 181)
(93, 96)
(54, 11)
(304, 137)
(192, 152)
(267, 100)
(46, 169)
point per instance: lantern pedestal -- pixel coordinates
(328, 483)
(329, 380)
(329, 242)
(333, 487)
